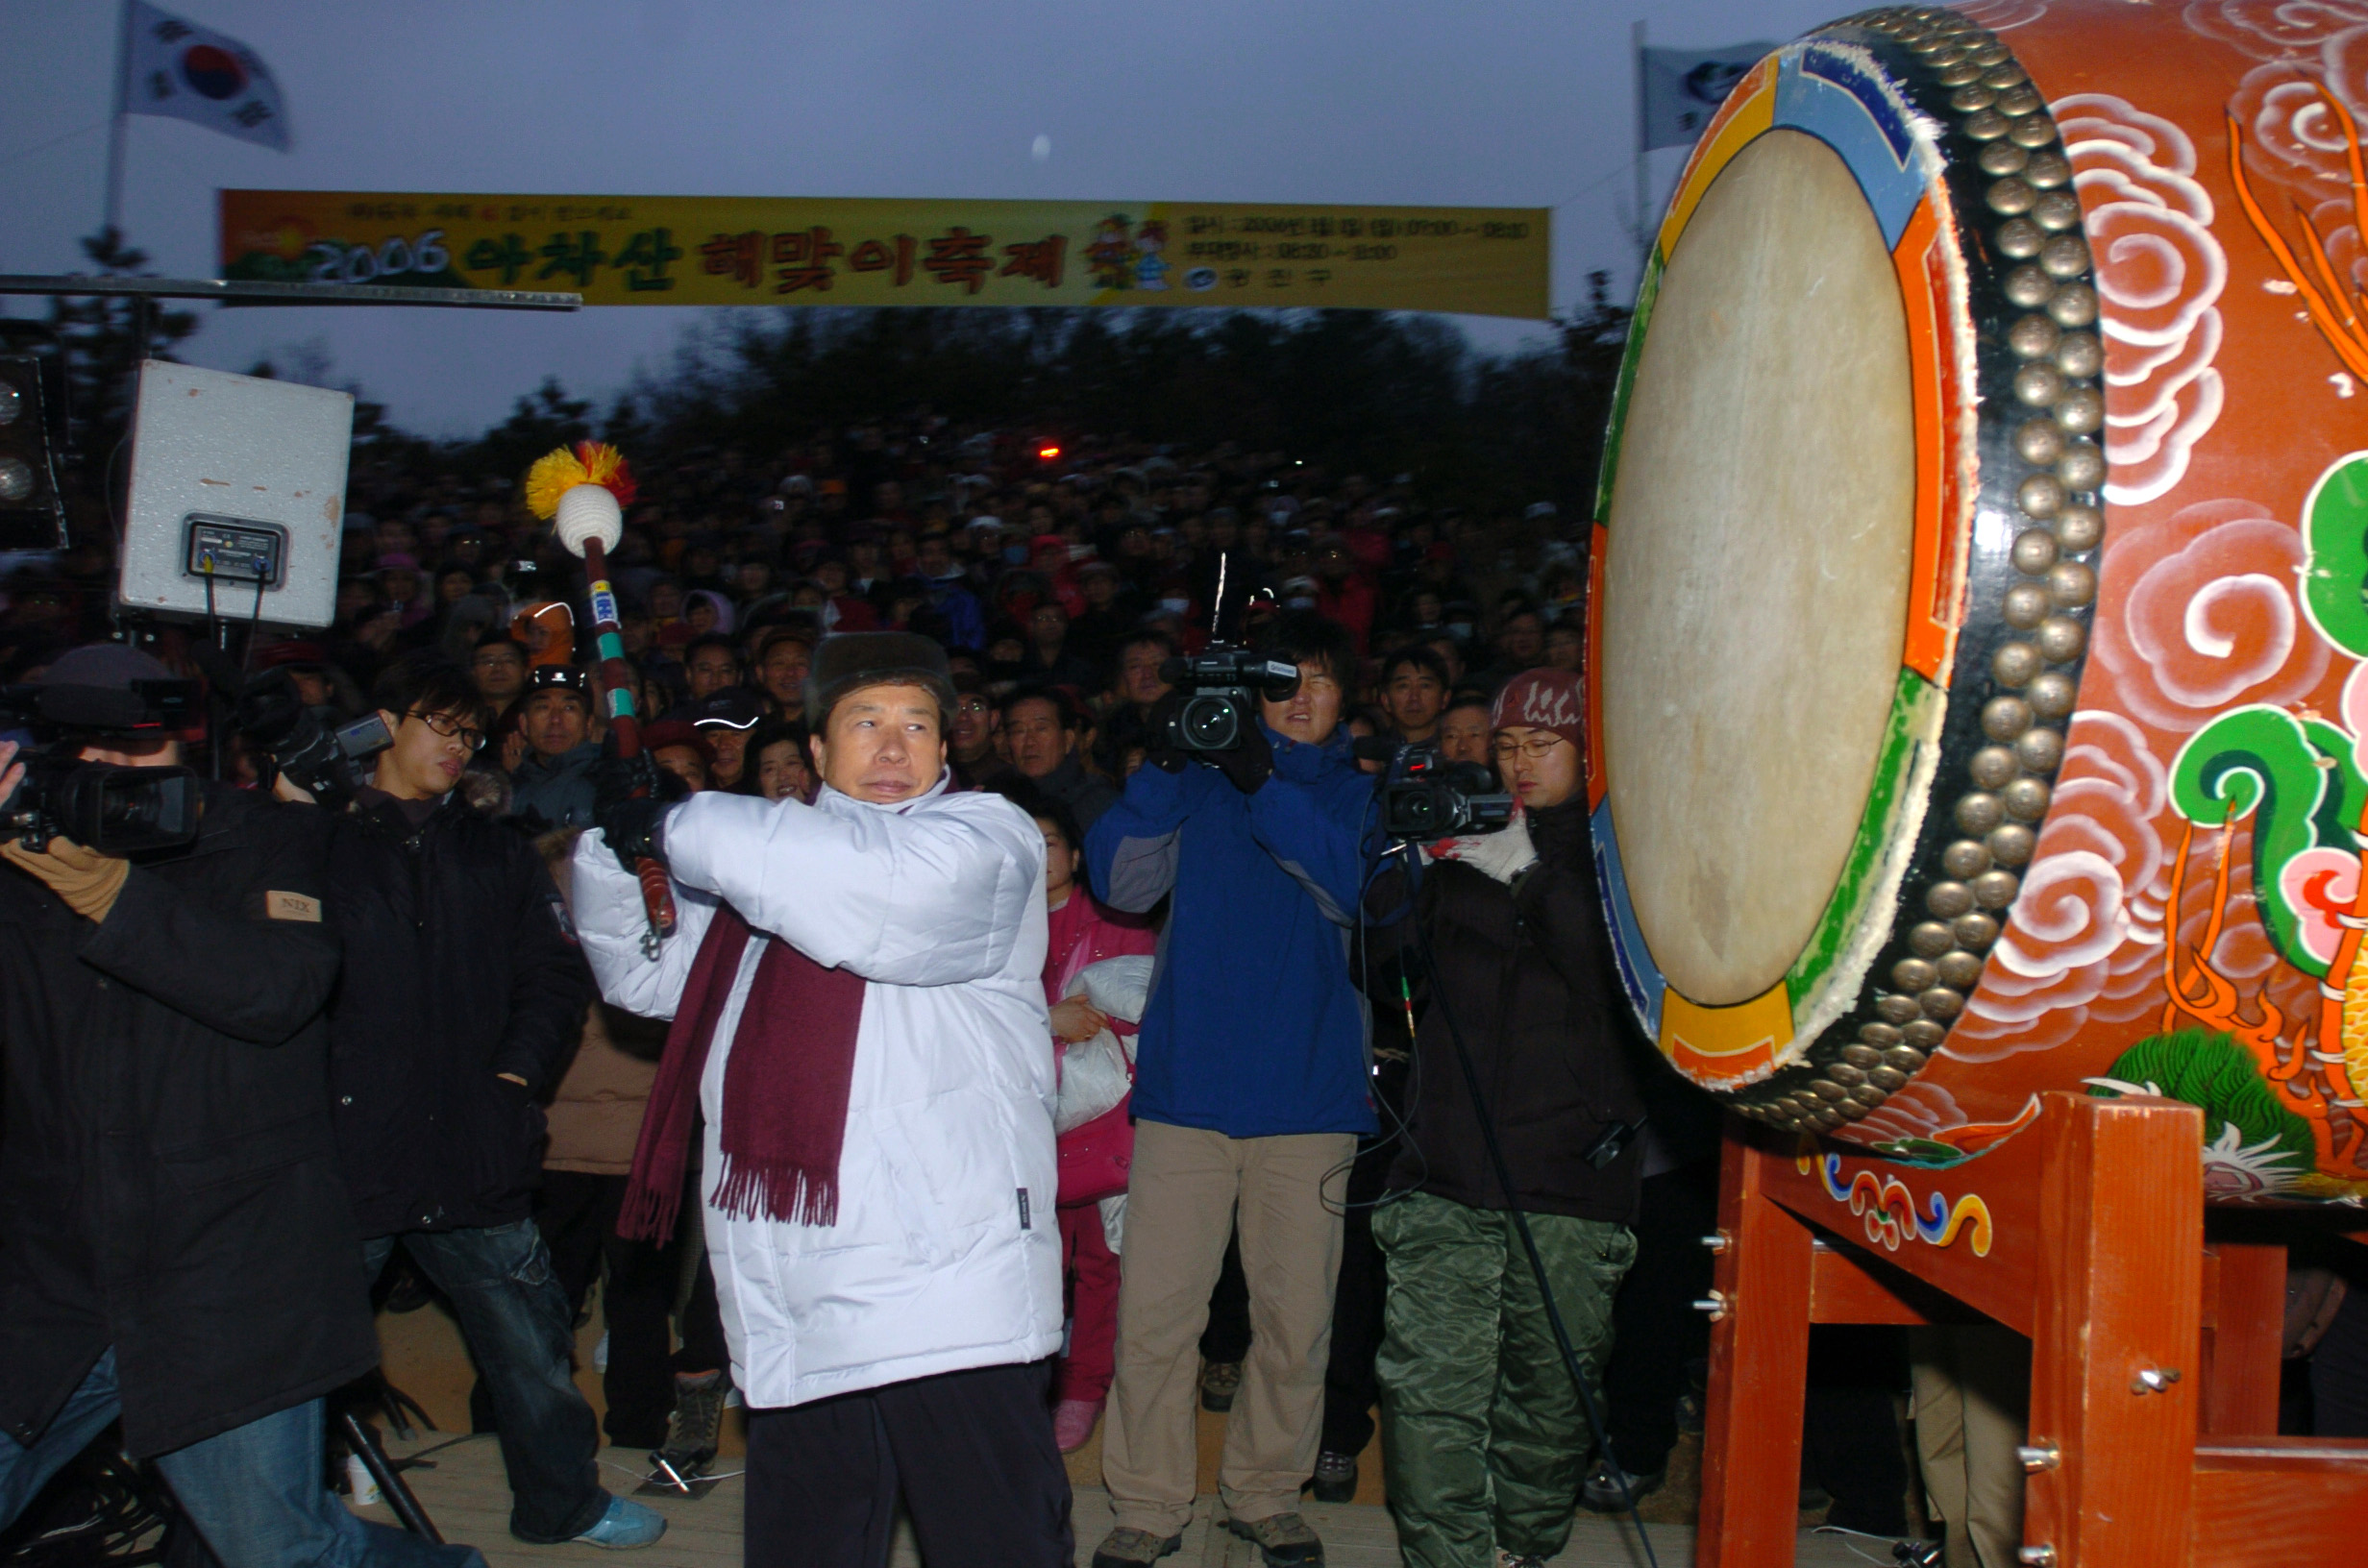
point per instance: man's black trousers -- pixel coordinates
(970, 1453)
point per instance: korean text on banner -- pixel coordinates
(703, 250)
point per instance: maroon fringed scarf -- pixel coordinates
(785, 1087)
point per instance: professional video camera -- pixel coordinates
(115, 811)
(304, 748)
(1427, 796)
(1223, 687)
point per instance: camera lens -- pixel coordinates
(1210, 724)
(16, 479)
(11, 404)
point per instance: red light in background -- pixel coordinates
(1047, 452)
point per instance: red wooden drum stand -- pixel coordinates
(2154, 1345)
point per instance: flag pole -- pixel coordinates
(115, 129)
(1645, 229)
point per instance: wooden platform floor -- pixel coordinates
(468, 1496)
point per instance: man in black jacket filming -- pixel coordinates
(461, 1005)
(174, 1245)
(1482, 1432)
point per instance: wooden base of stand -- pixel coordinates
(2155, 1352)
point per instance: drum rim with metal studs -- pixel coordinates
(1963, 170)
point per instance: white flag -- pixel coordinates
(1684, 87)
(191, 73)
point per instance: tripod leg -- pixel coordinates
(398, 1495)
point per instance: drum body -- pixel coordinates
(1979, 591)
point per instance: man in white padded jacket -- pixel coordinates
(858, 1013)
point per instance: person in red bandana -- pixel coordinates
(859, 1012)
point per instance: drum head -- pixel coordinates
(1757, 593)
(1843, 561)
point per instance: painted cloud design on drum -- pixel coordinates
(2086, 939)
(2275, 29)
(1917, 1111)
(2209, 620)
(2160, 273)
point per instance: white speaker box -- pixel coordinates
(237, 483)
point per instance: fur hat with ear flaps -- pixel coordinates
(855, 659)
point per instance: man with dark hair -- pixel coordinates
(1413, 692)
(783, 654)
(177, 1248)
(554, 784)
(1249, 1096)
(970, 749)
(1137, 681)
(499, 668)
(859, 1012)
(460, 1006)
(1042, 726)
(709, 666)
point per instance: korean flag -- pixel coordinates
(178, 69)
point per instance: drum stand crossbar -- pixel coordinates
(2154, 1351)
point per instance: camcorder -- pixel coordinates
(303, 746)
(112, 810)
(1223, 687)
(1426, 796)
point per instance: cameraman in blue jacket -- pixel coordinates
(1249, 1095)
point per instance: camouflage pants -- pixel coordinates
(1482, 1435)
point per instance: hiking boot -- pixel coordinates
(1219, 1382)
(626, 1525)
(1600, 1491)
(1336, 1478)
(1127, 1547)
(695, 1431)
(1283, 1540)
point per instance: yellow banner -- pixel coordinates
(721, 250)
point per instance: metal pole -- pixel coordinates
(399, 1496)
(114, 216)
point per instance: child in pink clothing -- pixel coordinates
(1083, 933)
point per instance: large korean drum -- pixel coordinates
(1979, 585)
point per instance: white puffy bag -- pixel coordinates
(1096, 1073)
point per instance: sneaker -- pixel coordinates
(1507, 1560)
(1219, 1382)
(1073, 1422)
(1336, 1478)
(1600, 1491)
(1127, 1547)
(624, 1525)
(1283, 1540)
(695, 1431)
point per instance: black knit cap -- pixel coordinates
(855, 659)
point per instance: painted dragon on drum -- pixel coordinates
(1979, 646)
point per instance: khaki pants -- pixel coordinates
(1972, 1393)
(1182, 1196)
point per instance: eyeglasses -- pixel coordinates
(1537, 746)
(451, 728)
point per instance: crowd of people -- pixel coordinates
(1015, 1067)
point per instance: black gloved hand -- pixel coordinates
(1251, 762)
(630, 796)
(1161, 751)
